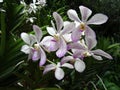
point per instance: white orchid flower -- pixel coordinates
(82, 25)
(59, 73)
(57, 39)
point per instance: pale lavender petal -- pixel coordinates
(32, 39)
(98, 19)
(89, 32)
(91, 42)
(102, 53)
(51, 31)
(49, 43)
(59, 21)
(42, 58)
(68, 28)
(62, 48)
(70, 66)
(76, 34)
(67, 37)
(49, 68)
(76, 45)
(78, 53)
(97, 57)
(59, 73)
(72, 14)
(85, 12)
(66, 59)
(66, 23)
(36, 55)
(25, 37)
(79, 65)
(38, 32)
(26, 49)
(30, 54)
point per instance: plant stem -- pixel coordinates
(102, 82)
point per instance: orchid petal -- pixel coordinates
(79, 65)
(49, 43)
(25, 49)
(78, 53)
(51, 31)
(42, 58)
(25, 37)
(76, 45)
(33, 39)
(59, 73)
(67, 37)
(76, 34)
(91, 42)
(98, 19)
(70, 66)
(89, 32)
(38, 32)
(102, 53)
(59, 21)
(85, 12)
(66, 59)
(49, 68)
(66, 23)
(36, 55)
(72, 14)
(30, 54)
(97, 57)
(62, 48)
(68, 28)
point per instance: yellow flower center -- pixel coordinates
(56, 36)
(82, 26)
(36, 46)
(86, 54)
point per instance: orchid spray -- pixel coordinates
(70, 41)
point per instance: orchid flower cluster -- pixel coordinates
(32, 8)
(71, 41)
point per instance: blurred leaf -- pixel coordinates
(48, 89)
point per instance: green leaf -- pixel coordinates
(111, 86)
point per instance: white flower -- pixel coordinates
(59, 73)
